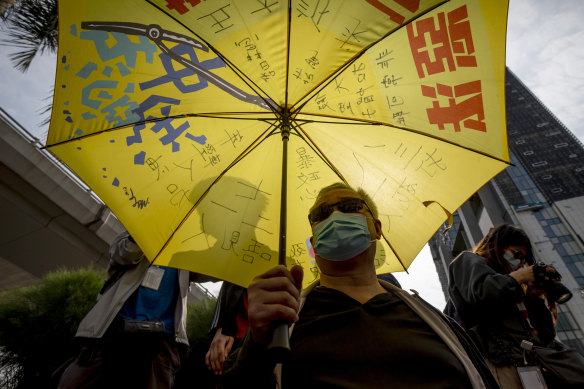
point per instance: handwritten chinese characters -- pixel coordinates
(306, 75)
(253, 54)
(314, 10)
(413, 158)
(140, 204)
(233, 220)
(307, 175)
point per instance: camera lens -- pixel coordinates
(556, 291)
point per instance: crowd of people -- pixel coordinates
(353, 328)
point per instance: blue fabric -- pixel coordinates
(342, 236)
(149, 304)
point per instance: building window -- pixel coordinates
(538, 164)
(560, 230)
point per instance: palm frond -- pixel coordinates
(6, 7)
(45, 111)
(32, 27)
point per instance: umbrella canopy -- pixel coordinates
(208, 127)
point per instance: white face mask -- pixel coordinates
(510, 258)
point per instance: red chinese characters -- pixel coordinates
(450, 43)
(465, 105)
(449, 47)
(179, 5)
(394, 16)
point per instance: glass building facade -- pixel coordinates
(541, 192)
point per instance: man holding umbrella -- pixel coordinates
(350, 330)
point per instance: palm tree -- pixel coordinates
(6, 5)
(31, 26)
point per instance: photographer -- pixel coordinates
(495, 295)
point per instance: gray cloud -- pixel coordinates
(23, 94)
(545, 50)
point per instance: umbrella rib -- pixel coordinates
(394, 252)
(333, 75)
(250, 83)
(321, 154)
(288, 52)
(245, 152)
(155, 120)
(371, 122)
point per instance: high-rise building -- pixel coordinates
(542, 193)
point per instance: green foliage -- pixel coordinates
(38, 324)
(199, 318)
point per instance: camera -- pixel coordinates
(553, 288)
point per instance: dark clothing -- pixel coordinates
(121, 362)
(398, 346)
(393, 340)
(110, 358)
(389, 278)
(485, 302)
(231, 311)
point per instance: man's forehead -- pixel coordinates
(332, 196)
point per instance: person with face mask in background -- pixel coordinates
(493, 294)
(351, 329)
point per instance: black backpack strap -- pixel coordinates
(116, 275)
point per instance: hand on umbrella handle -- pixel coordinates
(279, 347)
(274, 298)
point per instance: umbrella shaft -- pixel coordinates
(283, 201)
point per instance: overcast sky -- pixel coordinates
(545, 49)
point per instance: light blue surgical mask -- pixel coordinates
(341, 236)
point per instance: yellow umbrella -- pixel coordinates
(208, 127)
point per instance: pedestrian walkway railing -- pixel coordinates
(36, 142)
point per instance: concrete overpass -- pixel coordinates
(48, 218)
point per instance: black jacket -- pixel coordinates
(485, 303)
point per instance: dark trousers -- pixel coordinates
(123, 362)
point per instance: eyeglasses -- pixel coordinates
(517, 254)
(345, 205)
